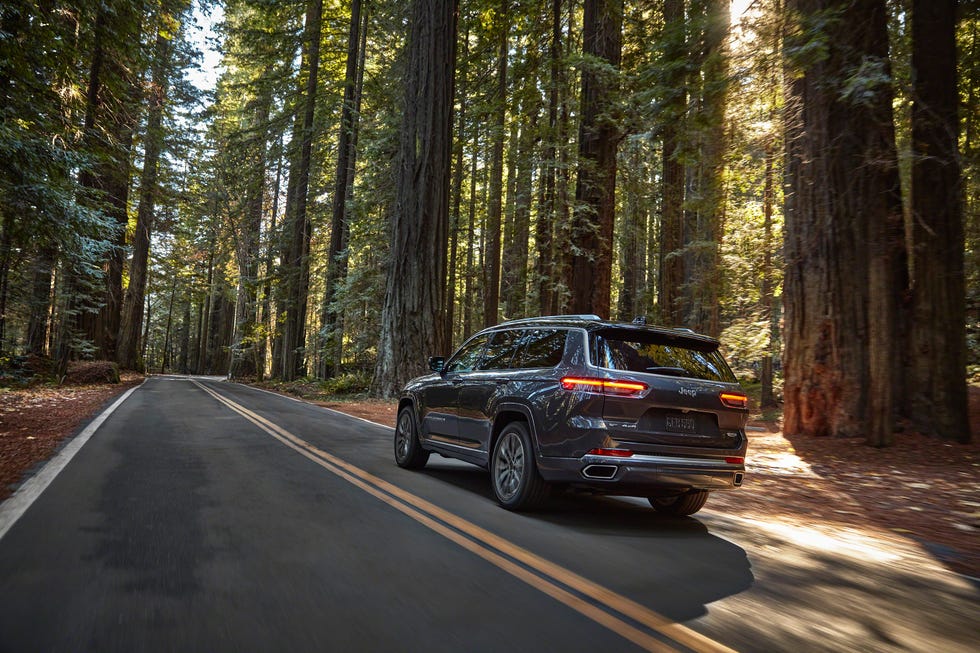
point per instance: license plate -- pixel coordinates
(681, 424)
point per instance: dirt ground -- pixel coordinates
(920, 488)
(35, 421)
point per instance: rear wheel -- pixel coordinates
(408, 450)
(513, 472)
(684, 504)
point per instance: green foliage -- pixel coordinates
(24, 371)
(347, 384)
(867, 81)
(746, 341)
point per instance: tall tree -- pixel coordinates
(599, 135)
(843, 202)
(938, 389)
(491, 273)
(246, 229)
(705, 215)
(297, 261)
(343, 184)
(544, 228)
(671, 262)
(112, 104)
(131, 323)
(413, 317)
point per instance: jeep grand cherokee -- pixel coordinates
(577, 401)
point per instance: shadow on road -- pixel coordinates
(673, 565)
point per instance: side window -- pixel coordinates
(541, 348)
(468, 356)
(501, 350)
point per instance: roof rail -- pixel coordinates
(552, 318)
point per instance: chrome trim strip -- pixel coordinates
(593, 459)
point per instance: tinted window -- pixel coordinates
(541, 348)
(501, 350)
(468, 356)
(657, 354)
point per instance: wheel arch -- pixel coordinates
(408, 402)
(507, 413)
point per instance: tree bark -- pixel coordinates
(599, 135)
(671, 259)
(413, 317)
(457, 192)
(298, 259)
(516, 253)
(703, 273)
(544, 228)
(111, 105)
(131, 324)
(938, 390)
(491, 273)
(331, 321)
(843, 241)
(245, 342)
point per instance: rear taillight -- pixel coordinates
(616, 453)
(604, 386)
(734, 400)
(735, 460)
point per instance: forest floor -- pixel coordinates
(920, 488)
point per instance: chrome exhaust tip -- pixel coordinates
(738, 478)
(601, 472)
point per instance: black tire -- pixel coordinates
(683, 505)
(408, 450)
(513, 473)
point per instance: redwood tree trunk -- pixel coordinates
(843, 243)
(544, 228)
(939, 394)
(491, 273)
(413, 317)
(671, 261)
(298, 258)
(112, 96)
(131, 324)
(346, 163)
(595, 210)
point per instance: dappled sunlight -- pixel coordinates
(860, 545)
(782, 463)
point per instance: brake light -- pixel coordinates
(734, 400)
(735, 460)
(617, 453)
(604, 386)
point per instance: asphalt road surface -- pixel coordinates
(209, 516)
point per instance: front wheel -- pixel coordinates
(683, 505)
(408, 450)
(513, 472)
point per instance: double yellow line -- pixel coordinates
(589, 599)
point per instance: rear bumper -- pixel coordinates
(641, 474)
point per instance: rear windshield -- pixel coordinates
(659, 354)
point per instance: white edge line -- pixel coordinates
(14, 507)
(310, 403)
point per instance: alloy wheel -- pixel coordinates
(509, 465)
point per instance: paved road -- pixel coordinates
(208, 516)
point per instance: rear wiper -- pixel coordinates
(672, 371)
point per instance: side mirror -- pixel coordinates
(437, 363)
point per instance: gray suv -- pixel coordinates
(577, 401)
